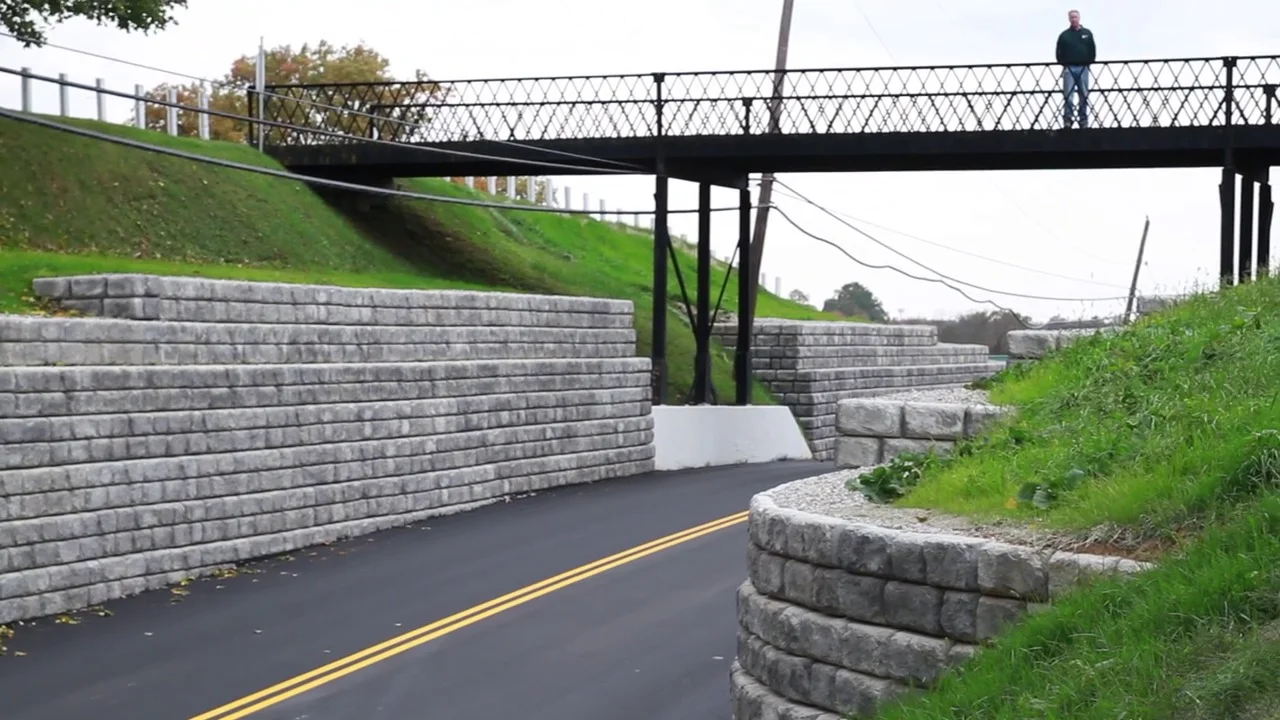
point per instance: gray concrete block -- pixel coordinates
(893, 447)
(854, 452)
(933, 421)
(979, 418)
(1013, 571)
(995, 614)
(908, 606)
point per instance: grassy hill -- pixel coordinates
(1163, 439)
(77, 205)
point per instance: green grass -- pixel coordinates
(76, 205)
(1162, 428)
(1166, 431)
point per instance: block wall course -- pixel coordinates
(832, 604)
(211, 422)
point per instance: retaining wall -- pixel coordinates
(839, 617)
(876, 431)
(810, 366)
(135, 453)
(1028, 345)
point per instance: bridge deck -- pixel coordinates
(1143, 113)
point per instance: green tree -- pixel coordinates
(799, 296)
(24, 18)
(404, 104)
(855, 299)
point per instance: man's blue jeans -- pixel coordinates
(1075, 81)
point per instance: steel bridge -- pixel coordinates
(715, 128)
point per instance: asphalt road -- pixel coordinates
(651, 637)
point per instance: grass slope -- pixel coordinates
(76, 205)
(1167, 431)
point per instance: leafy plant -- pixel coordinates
(894, 479)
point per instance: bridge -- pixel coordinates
(717, 127)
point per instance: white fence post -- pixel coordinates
(140, 106)
(64, 100)
(471, 182)
(777, 286)
(511, 187)
(602, 215)
(102, 99)
(171, 112)
(493, 185)
(26, 89)
(586, 202)
(205, 120)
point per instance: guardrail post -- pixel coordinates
(26, 89)
(139, 107)
(64, 97)
(102, 100)
(171, 112)
(204, 119)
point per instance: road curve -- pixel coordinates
(647, 634)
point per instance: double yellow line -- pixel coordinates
(352, 663)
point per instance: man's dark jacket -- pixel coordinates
(1075, 47)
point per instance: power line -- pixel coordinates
(323, 106)
(873, 266)
(910, 259)
(307, 179)
(959, 250)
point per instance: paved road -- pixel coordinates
(647, 636)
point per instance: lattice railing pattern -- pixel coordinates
(986, 98)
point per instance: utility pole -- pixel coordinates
(766, 180)
(1133, 286)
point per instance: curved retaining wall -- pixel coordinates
(1030, 345)
(137, 452)
(876, 431)
(838, 617)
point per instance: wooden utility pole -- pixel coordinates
(1133, 286)
(766, 180)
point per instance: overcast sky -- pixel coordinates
(1081, 224)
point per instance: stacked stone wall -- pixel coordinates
(212, 422)
(876, 431)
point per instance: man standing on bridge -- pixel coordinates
(1076, 52)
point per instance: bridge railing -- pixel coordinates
(978, 98)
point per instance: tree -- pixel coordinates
(405, 105)
(855, 299)
(24, 17)
(798, 296)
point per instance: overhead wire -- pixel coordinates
(1017, 316)
(961, 251)
(958, 281)
(324, 106)
(308, 179)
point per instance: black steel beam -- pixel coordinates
(1265, 210)
(660, 241)
(1244, 267)
(742, 350)
(1227, 207)
(702, 328)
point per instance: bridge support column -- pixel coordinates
(1265, 209)
(742, 351)
(660, 242)
(1244, 269)
(1227, 200)
(702, 333)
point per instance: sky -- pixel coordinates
(1084, 225)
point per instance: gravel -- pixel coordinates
(827, 495)
(952, 394)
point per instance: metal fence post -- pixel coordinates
(139, 106)
(26, 89)
(64, 98)
(204, 119)
(102, 99)
(171, 112)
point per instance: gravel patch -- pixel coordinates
(827, 495)
(956, 394)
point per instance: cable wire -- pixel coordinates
(926, 241)
(910, 259)
(873, 266)
(320, 105)
(311, 180)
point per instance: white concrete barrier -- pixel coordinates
(689, 436)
